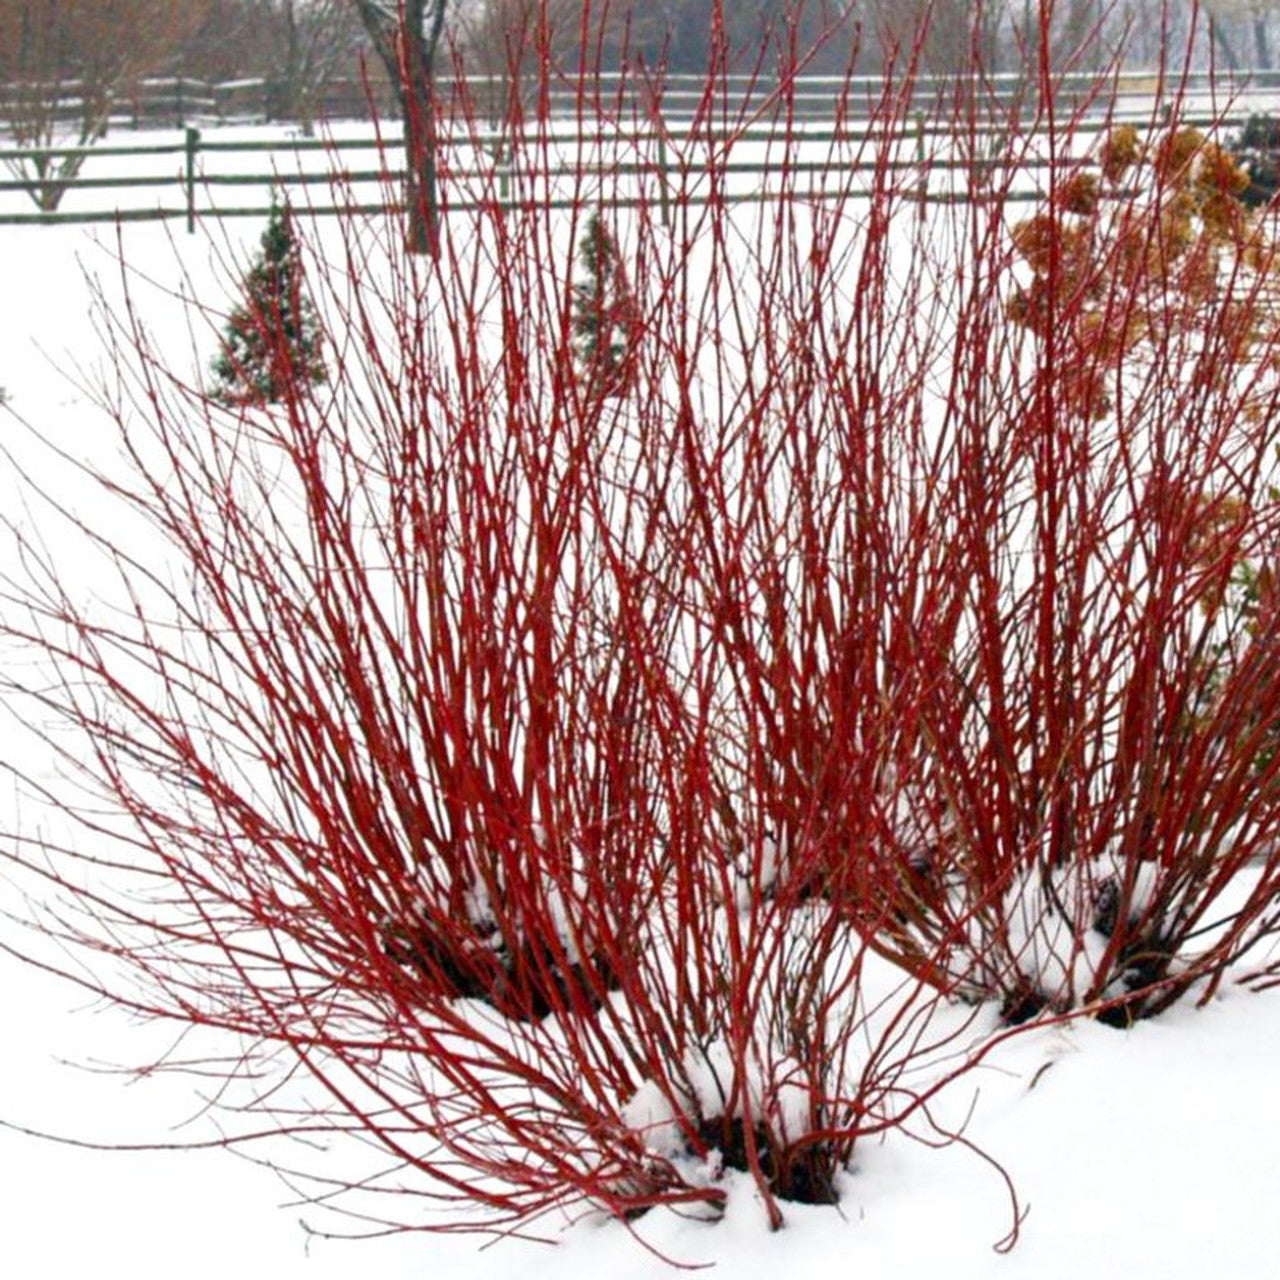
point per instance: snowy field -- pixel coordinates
(1152, 1154)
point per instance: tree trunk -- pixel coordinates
(1261, 45)
(1219, 39)
(417, 98)
(407, 48)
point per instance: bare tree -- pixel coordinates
(946, 37)
(999, 35)
(406, 36)
(64, 63)
(297, 47)
(502, 44)
(688, 36)
(225, 44)
(312, 41)
(1154, 35)
(1238, 24)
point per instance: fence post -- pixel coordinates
(664, 195)
(922, 191)
(502, 164)
(193, 142)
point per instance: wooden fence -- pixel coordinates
(197, 173)
(175, 101)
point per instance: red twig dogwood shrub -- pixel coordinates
(429, 727)
(1091, 745)
(598, 773)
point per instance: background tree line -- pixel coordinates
(300, 45)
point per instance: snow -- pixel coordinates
(1152, 1153)
(709, 1072)
(1145, 1154)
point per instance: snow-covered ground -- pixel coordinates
(1150, 1155)
(1153, 1153)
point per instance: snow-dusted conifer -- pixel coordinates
(272, 345)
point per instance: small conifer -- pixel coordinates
(272, 345)
(605, 317)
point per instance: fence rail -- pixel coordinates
(198, 174)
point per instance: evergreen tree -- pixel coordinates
(1257, 146)
(272, 345)
(605, 316)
